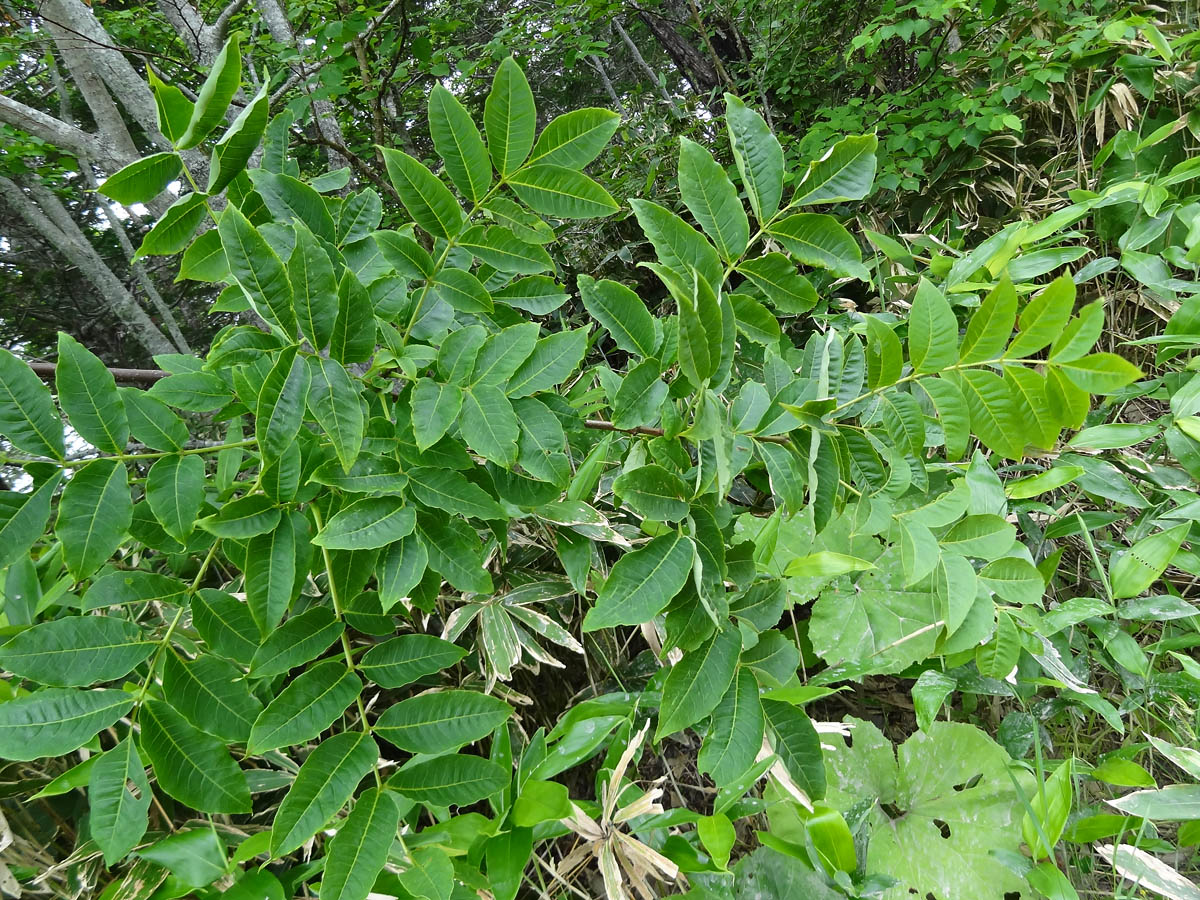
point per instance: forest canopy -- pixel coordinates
(599, 450)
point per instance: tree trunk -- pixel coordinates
(697, 68)
(127, 86)
(641, 63)
(275, 17)
(46, 214)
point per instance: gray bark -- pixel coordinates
(91, 86)
(81, 28)
(641, 63)
(139, 271)
(63, 135)
(274, 16)
(46, 214)
(203, 40)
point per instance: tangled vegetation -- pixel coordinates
(774, 554)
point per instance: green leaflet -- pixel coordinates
(427, 200)
(244, 517)
(367, 524)
(711, 197)
(298, 640)
(454, 552)
(451, 491)
(500, 248)
(489, 425)
(654, 493)
(118, 816)
(509, 118)
(1139, 567)
(27, 521)
(462, 290)
(622, 312)
(795, 740)
(678, 245)
(281, 403)
(575, 138)
(334, 401)
(225, 624)
(399, 569)
(76, 651)
(776, 276)
(359, 850)
(1044, 318)
(55, 721)
(175, 228)
(696, 684)
(561, 192)
(314, 286)
(642, 583)
(257, 269)
(353, 339)
(458, 142)
(736, 733)
(324, 784)
(290, 199)
(553, 359)
(991, 326)
(404, 659)
(191, 766)
(93, 515)
(27, 415)
(758, 156)
(435, 408)
(845, 172)
(641, 395)
(211, 694)
(271, 562)
(452, 780)
(141, 180)
(88, 395)
(193, 391)
(152, 422)
(818, 240)
(120, 588)
(239, 142)
(441, 721)
(306, 707)
(215, 94)
(502, 354)
(932, 331)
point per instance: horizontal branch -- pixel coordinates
(601, 425)
(149, 376)
(45, 371)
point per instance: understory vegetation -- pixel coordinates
(760, 466)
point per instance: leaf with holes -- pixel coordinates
(939, 806)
